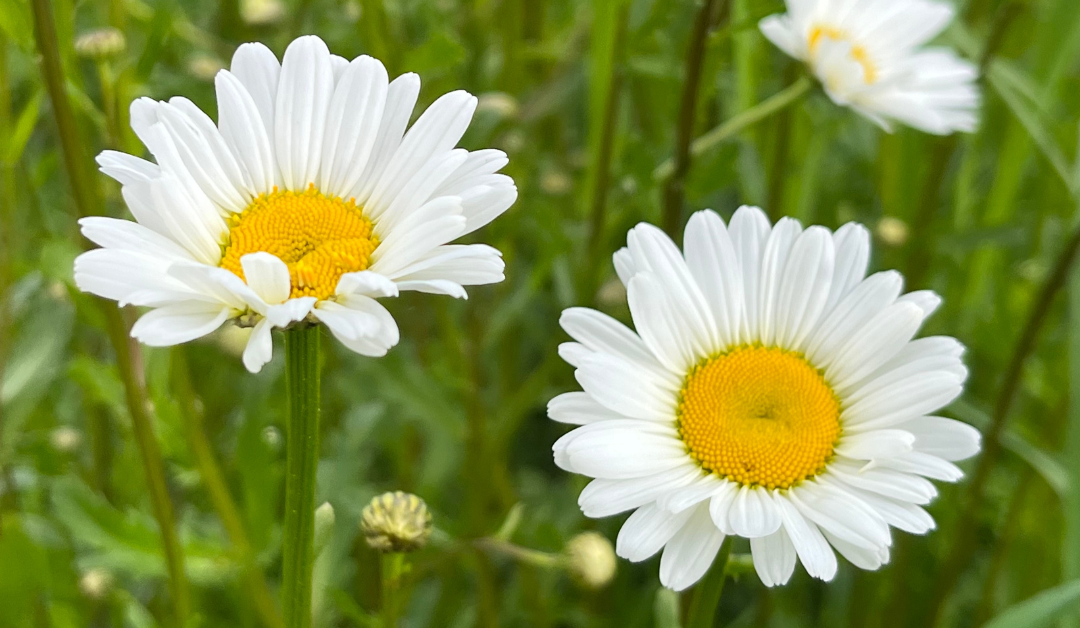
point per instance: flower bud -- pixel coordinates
(100, 44)
(95, 583)
(65, 439)
(396, 522)
(324, 526)
(591, 559)
(892, 231)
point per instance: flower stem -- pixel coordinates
(702, 612)
(707, 17)
(393, 566)
(735, 124)
(301, 462)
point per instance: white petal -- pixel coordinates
(774, 558)
(578, 408)
(260, 347)
(303, 98)
(804, 287)
(360, 323)
(366, 283)
(245, 132)
(704, 486)
(290, 311)
(881, 338)
(753, 513)
(690, 551)
(268, 276)
(178, 323)
(622, 449)
(624, 388)
(602, 333)
(660, 327)
(944, 438)
(648, 530)
(852, 244)
(859, 306)
(813, 550)
(773, 261)
(893, 484)
(875, 444)
(710, 256)
(355, 111)
(842, 514)
(720, 506)
(400, 100)
(603, 498)
(258, 70)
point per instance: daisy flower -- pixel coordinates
(868, 55)
(306, 202)
(771, 391)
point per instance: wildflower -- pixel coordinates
(772, 391)
(304, 204)
(869, 55)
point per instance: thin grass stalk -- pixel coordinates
(392, 568)
(7, 212)
(781, 147)
(702, 612)
(601, 166)
(129, 358)
(674, 192)
(1070, 542)
(736, 124)
(301, 464)
(220, 497)
(964, 547)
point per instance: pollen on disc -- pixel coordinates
(759, 416)
(318, 237)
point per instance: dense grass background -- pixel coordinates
(585, 97)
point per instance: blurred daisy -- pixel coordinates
(868, 56)
(306, 202)
(772, 392)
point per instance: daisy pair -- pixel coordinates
(869, 55)
(305, 202)
(771, 391)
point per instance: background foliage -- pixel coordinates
(585, 98)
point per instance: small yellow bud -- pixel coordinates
(396, 522)
(65, 439)
(95, 583)
(261, 12)
(100, 44)
(591, 559)
(501, 104)
(892, 231)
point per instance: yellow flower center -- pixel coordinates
(759, 416)
(319, 238)
(858, 52)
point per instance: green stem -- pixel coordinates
(88, 202)
(706, 20)
(734, 125)
(301, 463)
(393, 566)
(702, 612)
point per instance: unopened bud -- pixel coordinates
(100, 44)
(892, 231)
(324, 526)
(396, 522)
(259, 12)
(95, 583)
(591, 559)
(65, 439)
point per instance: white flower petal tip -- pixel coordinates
(886, 74)
(686, 419)
(231, 218)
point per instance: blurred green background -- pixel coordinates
(585, 97)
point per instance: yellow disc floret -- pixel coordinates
(319, 238)
(759, 416)
(858, 52)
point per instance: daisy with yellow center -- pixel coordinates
(304, 203)
(771, 391)
(869, 55)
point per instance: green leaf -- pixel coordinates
(16, 24)
(24, 127)
(1038, 610)
(439, 53)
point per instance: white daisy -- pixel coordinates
(306, 202)
(868, 55)
(771, 391)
